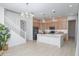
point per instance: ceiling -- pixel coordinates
(41, 10)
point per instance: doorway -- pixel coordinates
(35, 32)
(71, 29)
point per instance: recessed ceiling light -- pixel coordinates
(70, 5)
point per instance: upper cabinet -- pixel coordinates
(60, 23)
(36, 22)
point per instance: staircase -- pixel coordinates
(16, 31)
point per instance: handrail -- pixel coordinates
(9, 21)
(15, 28)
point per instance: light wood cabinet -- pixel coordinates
(61, 23)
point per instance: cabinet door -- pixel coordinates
(61, 23)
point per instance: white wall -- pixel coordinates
(14, 17)
(77, 36)
(1, 15)
(29, 26)
(15, 38)
(72, 17)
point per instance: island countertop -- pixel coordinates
(53, 39)
(56, 34)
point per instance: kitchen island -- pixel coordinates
(53, 39)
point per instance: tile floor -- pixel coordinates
(32, 48)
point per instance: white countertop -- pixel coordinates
(50, 34)
(53, 39)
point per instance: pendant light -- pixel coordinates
(53, 15)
